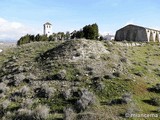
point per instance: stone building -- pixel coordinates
(108, 37)
(47, 29)
(137, 34)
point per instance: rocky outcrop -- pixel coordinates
(75, 51)
(85, 56)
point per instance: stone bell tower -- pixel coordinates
(47, 29)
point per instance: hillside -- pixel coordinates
(80, 80)
(4, 46)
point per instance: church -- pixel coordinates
(47, 29)
(137, 34)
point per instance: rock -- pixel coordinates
(79, 50)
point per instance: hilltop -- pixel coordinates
(79, 80)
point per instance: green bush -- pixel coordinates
(31, 38)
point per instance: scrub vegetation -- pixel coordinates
(79, 80)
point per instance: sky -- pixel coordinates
(21, 17)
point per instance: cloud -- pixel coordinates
(16, 25)
(11, 30)
(2, 20)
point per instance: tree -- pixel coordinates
(60, 35)
(31, 38)
(101, 38)
(67, 35)
(37, 37)
(51, 38)
(73, 34)
(86, 31)
(91, 31)
(79, 34)
(96, 30)
(23, 40)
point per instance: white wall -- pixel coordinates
(47, 29)
(148, 34)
